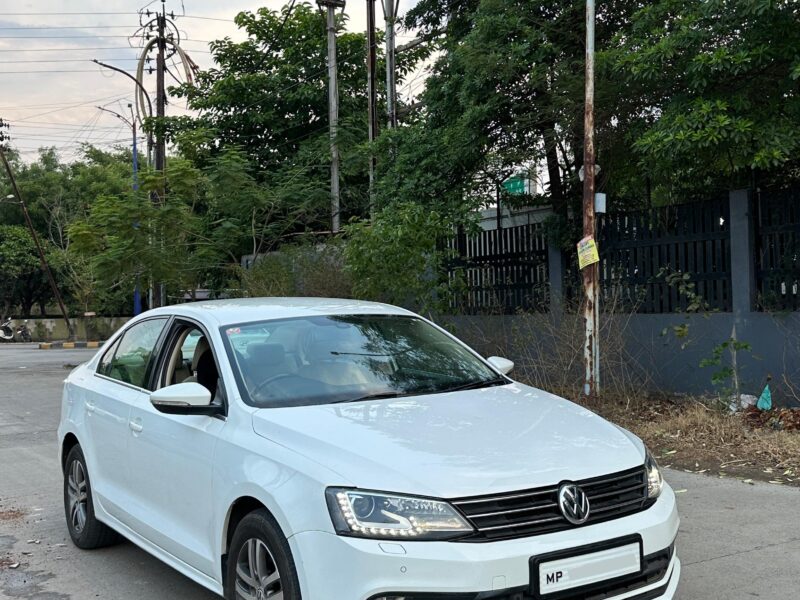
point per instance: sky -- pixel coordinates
(50, 90)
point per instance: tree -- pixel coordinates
(57, 195)
(263, 119)
(715, 90)
(21, 281)
(510, 81)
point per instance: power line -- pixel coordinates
(53, 14)
(205, 18)
(82, 37)
(52, 71)
(53, 104)
(37, 27)
(78, 49)
(63, 60)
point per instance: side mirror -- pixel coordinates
(185, 399)
(503, 365)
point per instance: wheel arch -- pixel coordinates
(238, 510)
(68, 443)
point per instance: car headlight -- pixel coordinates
(389, 516)
(655, 482)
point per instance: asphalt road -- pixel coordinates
(737, 541)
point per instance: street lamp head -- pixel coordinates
(11, 197)
(333, 3)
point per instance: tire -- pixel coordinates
(85, 530)
(276, 575)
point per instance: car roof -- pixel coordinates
(247, 310)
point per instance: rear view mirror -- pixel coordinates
(185, 399)
(501, 364)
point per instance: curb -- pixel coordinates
(68, 345)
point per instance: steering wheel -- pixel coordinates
(257, 389)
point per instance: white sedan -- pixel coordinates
(342, 450)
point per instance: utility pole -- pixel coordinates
(333, 108)
(35, 236)
(372, 95)
(156, 295)
(390, 8)
(591, 272)
(161, 98)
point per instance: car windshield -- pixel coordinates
(348, 358)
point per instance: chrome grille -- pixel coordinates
(535, 512)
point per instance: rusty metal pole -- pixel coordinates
(590, 273)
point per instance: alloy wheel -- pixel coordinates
(257, 575)
(78, 496)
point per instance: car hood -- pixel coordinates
(457, 444)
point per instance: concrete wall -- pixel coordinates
(86, 328)
(644, 351)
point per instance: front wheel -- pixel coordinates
(6, 334)
(84, 528)
(260, 564)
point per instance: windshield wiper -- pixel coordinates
(474, 385)
(378, 396)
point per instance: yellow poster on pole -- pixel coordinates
(587, 252)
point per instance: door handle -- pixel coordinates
(90, 407)
(136, 426)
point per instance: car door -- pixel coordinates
(171, 461)
(118, 383)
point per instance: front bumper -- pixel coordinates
(332, 567)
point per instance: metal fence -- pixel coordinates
(501, 270)
(777, 244)
(663, 260)
(667, 259)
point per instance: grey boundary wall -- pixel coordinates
(666, 362)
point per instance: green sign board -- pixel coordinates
(516, 185)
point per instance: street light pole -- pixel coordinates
(144, 92)
(591, 350)
(333, 108)
(35, 236)
(137, 297)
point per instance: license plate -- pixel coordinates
(587, 569)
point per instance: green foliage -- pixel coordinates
(308, 269)
(263, 120)
(397, 258)
(695, 303)
(715, 88)
(726, 371)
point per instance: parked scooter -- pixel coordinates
(6, 331)
(23, 334)
(9, 334)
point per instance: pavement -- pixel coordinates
(737, 541)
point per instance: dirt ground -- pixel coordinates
(690, 435)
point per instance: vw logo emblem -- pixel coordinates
(574, 503)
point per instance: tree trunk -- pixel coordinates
(554, 170)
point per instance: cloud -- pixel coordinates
(49, 88)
